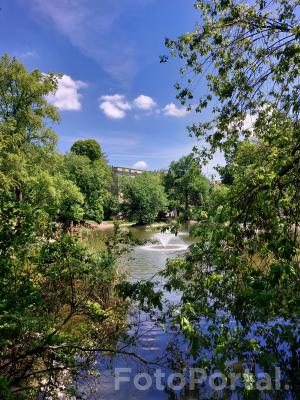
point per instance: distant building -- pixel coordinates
(124, 171)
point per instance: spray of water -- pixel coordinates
(166, 242)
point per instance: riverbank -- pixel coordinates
(107, 225)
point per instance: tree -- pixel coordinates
(248, 54)
(23, 114)
(93, 179)
(57, 196)
(226, 177)
(185, 184)
(24, 106)
(242, 275)
(58, 306)
(245, 261)
(28, 155)
(143, 197)
(57, 309)
(89, 148)
(111, 206)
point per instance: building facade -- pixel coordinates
(124, 171)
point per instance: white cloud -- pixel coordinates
(67, 96)
(114, 106)
(140, 165)
(174, 111)
(144, 102)
(111, 111)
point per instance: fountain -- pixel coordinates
(164, 238)
(166, 241)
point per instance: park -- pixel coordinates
(149, 243)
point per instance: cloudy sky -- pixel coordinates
(113, 88)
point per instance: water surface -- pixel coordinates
(151, 341)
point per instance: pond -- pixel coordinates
(124, 378)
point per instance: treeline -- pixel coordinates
(181, 191)
(66, 188)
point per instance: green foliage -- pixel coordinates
(89, 148)
(60, 198)
(185, 184)
(248, 57)
(92, 178)
(4, 388)
(111, 206)
(24, 135)
(143, 293)
(24, 106)
(143, 197)
(57, 299)
(244, 266)
(240, 281)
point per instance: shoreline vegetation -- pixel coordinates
(110, 224)
(64, 302)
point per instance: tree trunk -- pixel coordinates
(19, 194)
(186, 200)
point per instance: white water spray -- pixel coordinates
(166, 242)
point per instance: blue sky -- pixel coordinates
(113, 87)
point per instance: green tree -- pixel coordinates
(57, 196)
(23, 112)
(93, 179)
(28, 155)
(57, 308)
(246, 260)
(242, 275)
(143, 197)
(89, 148)
(111, 206)
(247, 55)
(24, 107)
(57, 303)
(185, 184)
